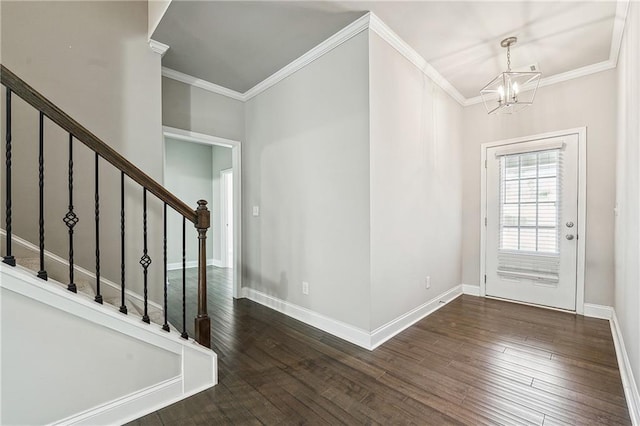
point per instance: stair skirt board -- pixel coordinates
(81, 272)
(198, 365)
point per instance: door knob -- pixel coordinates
(569, 237)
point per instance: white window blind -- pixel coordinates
(530, 188)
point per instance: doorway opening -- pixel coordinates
(199, 166)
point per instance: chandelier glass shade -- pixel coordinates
(510, 91)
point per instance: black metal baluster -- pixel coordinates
(42, 274)
(184, 334)
(165, 326)
(145, 260)
(71, 219)
(8, 258)
(97, 213)
(123, 307)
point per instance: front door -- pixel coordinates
(532, 221)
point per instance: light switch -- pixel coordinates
(256, 210)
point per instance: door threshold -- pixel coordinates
(519, 302)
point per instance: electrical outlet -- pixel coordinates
(427, 283)
(305, 287)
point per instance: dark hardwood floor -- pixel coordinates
(475, 362)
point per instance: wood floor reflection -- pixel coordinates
(474, 362)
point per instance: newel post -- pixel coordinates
(202, 322)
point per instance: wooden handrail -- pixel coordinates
(55, 114)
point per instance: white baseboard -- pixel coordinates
(598, 311)
(80, 271)
(629, 384)
(396, 326)
(339, 329)
(471, 290)
(136, 405)
(193, 264)
(355, 335)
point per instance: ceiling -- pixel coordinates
(238, 44)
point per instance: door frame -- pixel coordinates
(224, 253)
(236, 166)
(581, 132)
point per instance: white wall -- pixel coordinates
(627, 250)
(189, 176)
(587, 101)
(416, 185)
(306, 164)
(92, 60)
(56, 365)
(191, 108)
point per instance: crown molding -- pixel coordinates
(559, 78)
(622, 8)
(394, 40)
(326, 46)
(374, 23)
(202, 84)
(158, 47)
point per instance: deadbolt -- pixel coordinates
(569, 224)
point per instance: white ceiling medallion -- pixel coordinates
(510, 91)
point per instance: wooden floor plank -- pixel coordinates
(475, 361)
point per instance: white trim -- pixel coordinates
(560, 78)
(350, 333)
(629, 383)
(201, 84)
(387, 34)
(622, 8)
(236, 161)
(192, 264)
(326, 46)
(375, 24)
(592, 310)
(332, 326)
(134, 402)
(398, 325)
(471, 290)
(582, 203)
(158, 47)
(88, 275)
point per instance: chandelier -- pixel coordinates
(510, 91)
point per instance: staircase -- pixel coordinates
(78, 348)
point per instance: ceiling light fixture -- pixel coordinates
(510, 91)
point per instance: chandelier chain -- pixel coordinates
(509, 57)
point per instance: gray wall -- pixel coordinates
(416, 186)
(192, 172)
(588, 101)
(92, 60)
(189, 176)
(191, 108)
(306, 164)
(627, 294)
